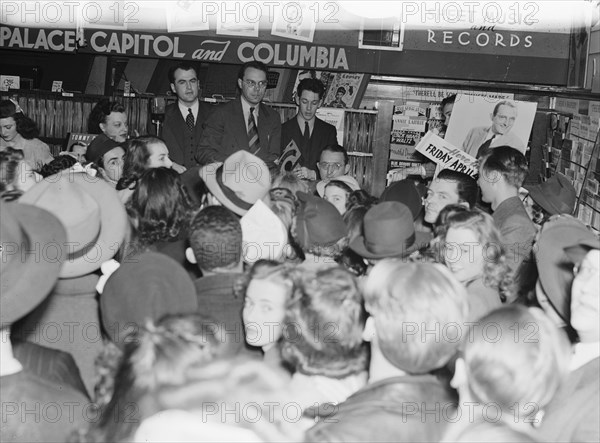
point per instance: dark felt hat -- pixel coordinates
(389, 231)
(318, 222)
(405, 192)
(555, 268)
(146, 286)
(556, 195)
(32, 248)
(100, 146)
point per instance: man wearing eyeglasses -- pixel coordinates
(333, 162)
(184, 120)
(244, 123)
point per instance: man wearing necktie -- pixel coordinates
(184, 120)
(481, 140)
(243, 123)
(310, 133)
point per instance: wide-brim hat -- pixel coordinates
(239, 182)
(389, 231)
(145, 287)
(317, 222)
(406, 192)
(265, 237)
(579, 250)
(347, 179)
(32, 242)
(555, 268)
(92, 214)
(556, 195)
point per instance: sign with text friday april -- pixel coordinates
(446, 155)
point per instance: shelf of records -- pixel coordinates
(573, 150)
(57, 115)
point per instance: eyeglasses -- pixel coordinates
(327, 165)
(252, 84)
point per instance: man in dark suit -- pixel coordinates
(309, 98)
(243, 123)
(184, 120)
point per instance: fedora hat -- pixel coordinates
(146, 286)
(92, 214)
(556, 195)
(264, 235)
(347, 179)
(388, 232)
(239, 182)
(32, 249)
(318, 222)
(406, 192)
(555, 267)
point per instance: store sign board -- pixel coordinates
(320, 56)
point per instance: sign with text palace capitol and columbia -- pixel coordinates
(481, 53)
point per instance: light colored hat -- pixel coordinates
(32, 250)
(92, 214)
(264, 234)
(239, 182)
(347, 179)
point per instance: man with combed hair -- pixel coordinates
(416, 313)
(449, 188)
(216, 248)
(481, 139)
(320, 134)
(244, 123)
(185, 119)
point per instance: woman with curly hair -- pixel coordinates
(160, 212)
(143, 153)
(473, 251)
(20, 132)
(16, 175)
(267, 289)
(109, 118)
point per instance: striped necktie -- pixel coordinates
(253, 141)
(189, 120)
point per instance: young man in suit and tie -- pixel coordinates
(310, 133)
(244, 123)
(184, 120)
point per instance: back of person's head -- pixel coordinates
(59, 163)
(515, 356)
(419, 310)
(216, 238)
(184, 66)
(290, 181)
(507, 162)
(466, 186)
(313, 85)
(100, 112)
(255, 64)
(337, 148)
(360, 198)
(159, 206)
(159, 354)
(324, 325)
(10, 169)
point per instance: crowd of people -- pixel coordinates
(186, 288)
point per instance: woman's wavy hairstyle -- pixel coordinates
(496, 271)
(26, 127)
(160, 355)
(159, 207)
(10, 164)
(324, 323)
(136, 159)
(100, 113)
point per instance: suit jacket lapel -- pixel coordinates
(240, 131)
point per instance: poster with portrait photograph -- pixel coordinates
(346, 90)
(185, 16)
(238, 27)
(481, 123)
(295, 21)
